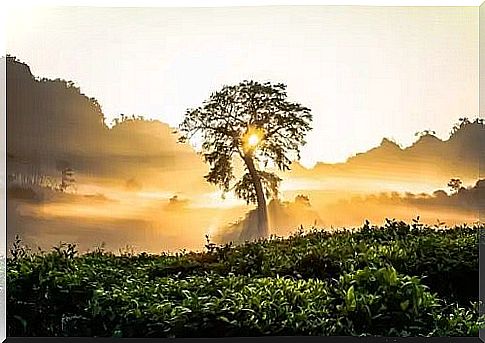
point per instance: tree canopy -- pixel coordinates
(235, 121)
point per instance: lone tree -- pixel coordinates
(256, 123)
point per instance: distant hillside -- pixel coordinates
(429, 156)
(466, 199)
(52, 125)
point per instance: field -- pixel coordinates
(396, 280)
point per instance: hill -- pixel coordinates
(428, 157)
(51, 125)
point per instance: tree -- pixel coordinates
(303, 200)
(67, 181)
(462, 122)
(256, 123)
(425, 133)
(455, 185)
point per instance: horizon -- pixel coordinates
(186, 54)
(368, 75)
(109, 122)
(137, 182)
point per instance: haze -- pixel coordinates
(372, 77)
(368, 72)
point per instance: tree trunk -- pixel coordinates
(261, 200)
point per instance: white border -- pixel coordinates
(226, 3)
(3, 182)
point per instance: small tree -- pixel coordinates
(67, 181)
(455, 185)
(256, 123)
(425, 133)
(462, 122)
(304, 200)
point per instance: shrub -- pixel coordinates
(398, 280)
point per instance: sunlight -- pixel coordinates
(215, 200)
(252, 138)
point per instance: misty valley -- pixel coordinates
(72, 178)
(215, 228)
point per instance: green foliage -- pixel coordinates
(395, 280)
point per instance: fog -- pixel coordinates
(72, 178)
(156, 222)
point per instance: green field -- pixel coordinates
(396, 280)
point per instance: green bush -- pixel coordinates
(375, 281)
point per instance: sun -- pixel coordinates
(252, 138)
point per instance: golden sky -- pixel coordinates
(366, 72)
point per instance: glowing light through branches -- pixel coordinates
(252, 138)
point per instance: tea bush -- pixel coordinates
(395, 280)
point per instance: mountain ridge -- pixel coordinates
(65, 124)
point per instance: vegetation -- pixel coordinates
(395, 280)
(455, 185)
(255, 123)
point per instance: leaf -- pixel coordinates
(350, 299)
(118, 333)
(404, 305)
(22, 321)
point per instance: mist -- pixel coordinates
(73, 178)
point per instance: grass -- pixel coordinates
(396, 280)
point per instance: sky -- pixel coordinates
(365, 72)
